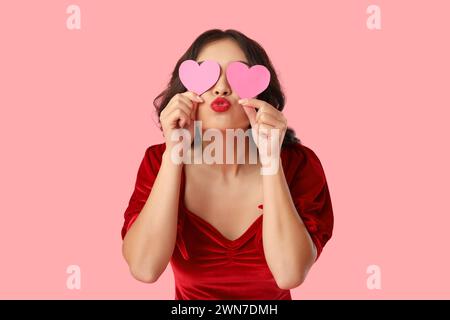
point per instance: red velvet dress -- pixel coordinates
(207, 265)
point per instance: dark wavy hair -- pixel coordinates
(254, 53)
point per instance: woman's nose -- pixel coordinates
(222, 87)
(221, 92)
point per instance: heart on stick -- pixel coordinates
(199, 78)
(247, 82)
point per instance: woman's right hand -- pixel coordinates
(180, 112)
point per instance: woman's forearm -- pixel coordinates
(288, 248)
(150, 241)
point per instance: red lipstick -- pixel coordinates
(220, 104)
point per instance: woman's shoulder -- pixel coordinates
(155, 150)
(297, 156)
(153, 156)
(298, 152)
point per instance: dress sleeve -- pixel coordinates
(311, 197)
(148, 170)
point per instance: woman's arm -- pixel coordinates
(288, 247)
(289, 250)
(149, 243)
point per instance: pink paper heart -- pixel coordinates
(247, 82)
(199, 78)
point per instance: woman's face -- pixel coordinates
(222, 51)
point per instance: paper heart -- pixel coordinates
(247, 82)
(199, 78)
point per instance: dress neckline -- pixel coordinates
(228, 242)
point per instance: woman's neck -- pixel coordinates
(229, 155)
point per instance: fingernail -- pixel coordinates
(242, 101)
(199, 99)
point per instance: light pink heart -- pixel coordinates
(247, 82)
(199, 78)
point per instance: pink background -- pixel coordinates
(76, 119)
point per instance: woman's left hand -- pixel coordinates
(263, 123)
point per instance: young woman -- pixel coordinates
(228, 231)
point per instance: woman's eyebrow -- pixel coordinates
(236, 60)
(244, 62)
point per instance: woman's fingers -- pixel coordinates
(268, 126)
(188, 110)
(187, 98)
(265, 129)
(185, 107)
(251, 114)
(188, 102)
(192, 99)
(193, 96)
(180, 110)
(256, 103)
(180, 105)
(270, 119)
(260, 105)
(178, 115)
